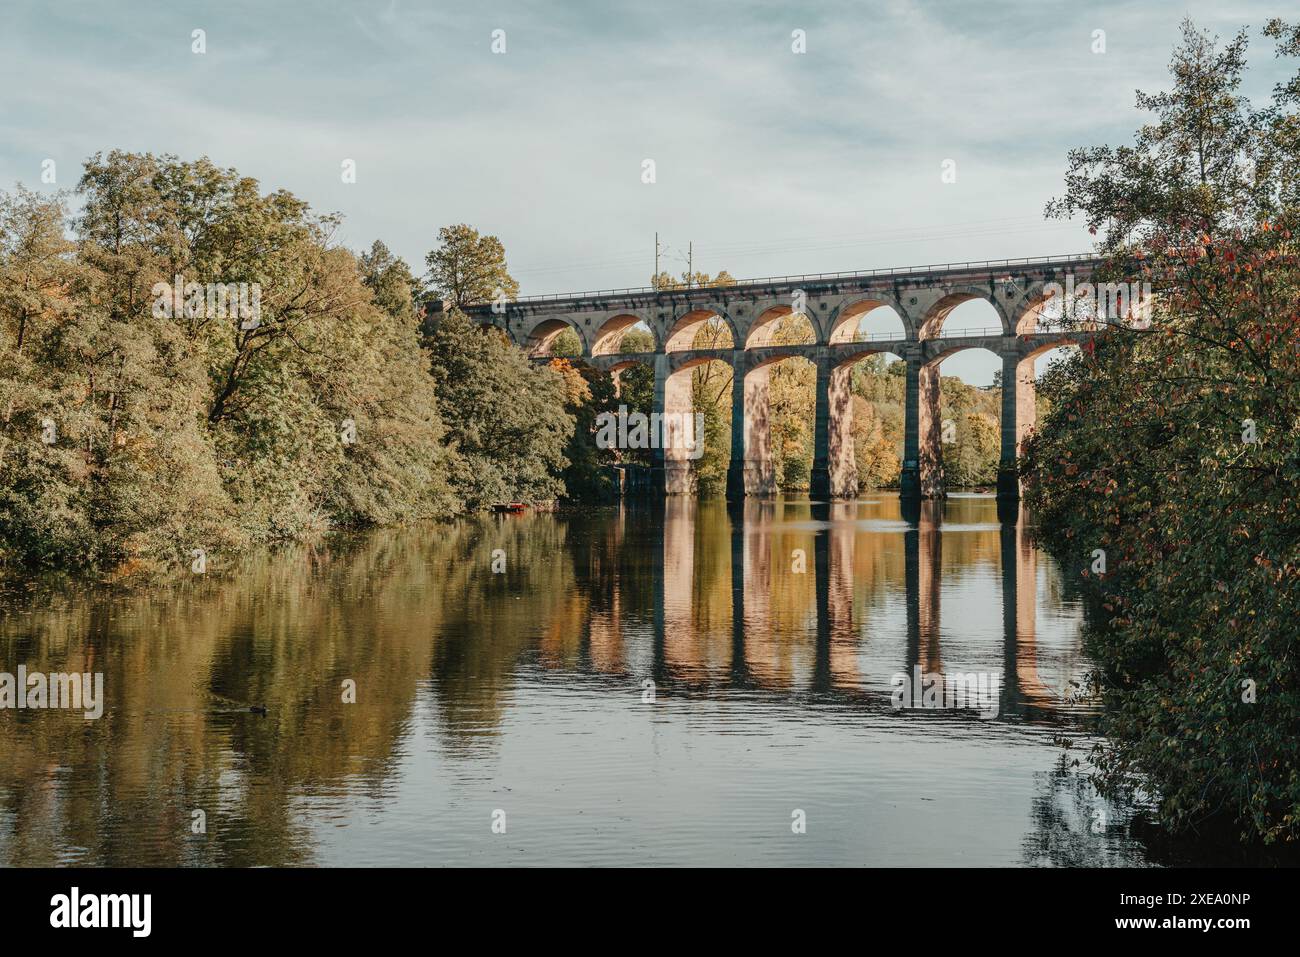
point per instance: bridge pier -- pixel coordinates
(736, 466)
(922, 473)
(819, 485)
(670, 468)
(1019, 411)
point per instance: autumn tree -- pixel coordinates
(1166, 471)
(175, 423)
(506, 418)
(468, 269)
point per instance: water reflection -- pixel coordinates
(768, 635)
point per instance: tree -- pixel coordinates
(1169, 450)
(506, 418)
(588, 393)
(972, 459)
(390, 281)
(176, 422)
(567, 344)
(468, 269)
(874, 453)
(691, 280)
(103, 460)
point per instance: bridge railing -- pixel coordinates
(821, 277)
(981, 333)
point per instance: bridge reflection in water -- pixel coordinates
(835, 599)
(771, 634)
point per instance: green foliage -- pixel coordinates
(589, 392)
(711, 385)
(1146, 453)
(390, 281)
(567, 344)
(878, 390)
(972, 460)
(139, 422)
(970, 417)
(506, 418)
(467, 268)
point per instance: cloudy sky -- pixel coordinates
(768, 161)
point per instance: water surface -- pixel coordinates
(641, 685)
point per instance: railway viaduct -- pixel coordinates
(834, 304)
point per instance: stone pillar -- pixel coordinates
(736, 467)
(843, 464)
(658, 472)
(819, 488)
(922, 475)
(670, 468)
(1008, 473)
(1018, 415)
(759, 474)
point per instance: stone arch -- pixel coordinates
(1026, 310)
(609, 332)
(763, 324)
(680, 333)
(614, 368)
(946, 349)
(948, 299)
(542, 335)
(761, 313)
(844, 320)
(762, 329)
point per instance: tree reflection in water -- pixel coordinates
(781, 622)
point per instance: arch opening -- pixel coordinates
(696, 427)
(867, 419)
(1042, 313)
(555, 337)
(1029, 407)
(867, 321)
(963, 315)
(779, 424)
(636, 340)
(701, 329)
(965, 437)
(780, 326)
(616, 330)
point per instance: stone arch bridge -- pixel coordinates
(834, 303)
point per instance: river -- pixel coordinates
(671, 684)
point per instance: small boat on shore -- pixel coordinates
(508, 506)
